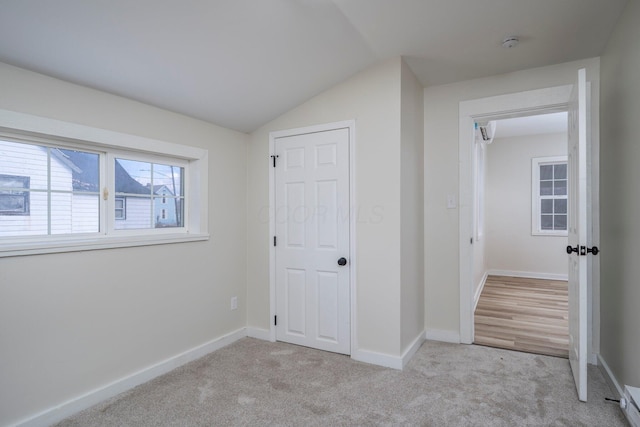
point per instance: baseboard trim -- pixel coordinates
(443, 336)
(476, 297)
(528, 274)
(613, 383)
(412, 349)
(261, 334)
(59, 412)
(375, 358)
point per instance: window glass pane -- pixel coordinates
(560, 171)
(560, 222)
(132, 177)
(25, 160)
(168, 213)
(546, 206)
(137, 213)
(60, 209)
(35, 223)
(546, 188)
(83, 167)
(560, 188)
(546, 222)
(85, 213)
(546, 172)
(560, 206)
(168, 178)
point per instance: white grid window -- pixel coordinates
(549, 196)
(66, 187)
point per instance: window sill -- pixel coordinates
(550, 233)
(94, 243)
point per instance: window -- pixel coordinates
(549, 200)
(14, 195)
(121, 208)
(70, 187)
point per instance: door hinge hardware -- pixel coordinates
(274, 157)
(105, 193)
(275, 320)
(274, 241)
(471, 241)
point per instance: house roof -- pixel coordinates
(85, 173)
(159, 187)
(241, 63)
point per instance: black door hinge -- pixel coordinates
(275, 320)
(274, 157)
(275, 241)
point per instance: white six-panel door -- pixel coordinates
(577, 156)
(312, 234)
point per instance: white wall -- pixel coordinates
(412, 202)
(442, 291)
(373, 99)
(509, 243)
(72, 322)
(620, 201)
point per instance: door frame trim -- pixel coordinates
(540, 101)
(351, 126)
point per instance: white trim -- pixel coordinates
(351, 126)
(442, 336)
(59, 412)
(259, 333)
(613, 383)
(476, 296)
(528, 274)
(30, 124)
(413, 348)
(491, 108)
(387, 360)
(375, 358)
(99, 242)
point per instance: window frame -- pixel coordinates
(536, 226)
(29, 129)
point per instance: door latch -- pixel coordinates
(570, 250)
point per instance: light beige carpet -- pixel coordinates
(257, 383)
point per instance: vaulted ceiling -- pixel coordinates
(241, 63)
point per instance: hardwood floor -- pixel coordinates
(529, 315)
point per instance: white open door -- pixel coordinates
(577, 224)
(312, 240)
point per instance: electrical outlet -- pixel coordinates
(234, 303)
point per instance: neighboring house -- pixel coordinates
(165, 207)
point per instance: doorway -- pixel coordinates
(583, 144)
(520, 228)
(312, 256)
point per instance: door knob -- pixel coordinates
(342, 261)
(570, 250)
(594, 250)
